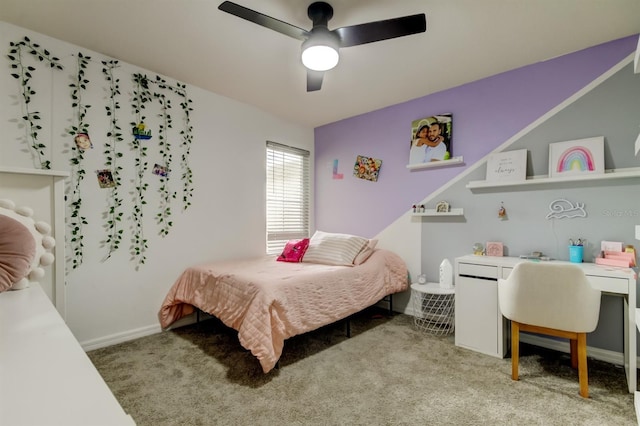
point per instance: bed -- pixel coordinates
(267, 301)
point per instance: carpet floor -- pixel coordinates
(387, 373)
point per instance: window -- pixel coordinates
(287, 195)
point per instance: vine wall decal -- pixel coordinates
(80, 132)
(163, 217)
(111, 153)
(187, 138)
(24, 74)
(143, 98)
(142, 95)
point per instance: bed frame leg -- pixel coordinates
(391, 304)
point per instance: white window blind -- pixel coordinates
(287, 195)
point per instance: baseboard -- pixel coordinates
(605, 355)
(114, 339)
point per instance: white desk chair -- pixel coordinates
(555, 300)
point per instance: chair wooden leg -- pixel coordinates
(582, 365)
(515, 349)
(573, 346)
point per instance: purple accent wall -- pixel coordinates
(486, 113)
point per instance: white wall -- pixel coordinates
(110, 300)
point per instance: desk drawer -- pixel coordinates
(609, 284)
(481, 271)
(506, 272)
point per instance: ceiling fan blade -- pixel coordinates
(264, 20)
(314, 80)
(381, 30)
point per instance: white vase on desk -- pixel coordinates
(446, 274)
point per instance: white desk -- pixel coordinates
(481, 327)
(45, 376)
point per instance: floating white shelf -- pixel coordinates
(632, 172)
(433, 212)
(441, 163)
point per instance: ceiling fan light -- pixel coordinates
(320, 57)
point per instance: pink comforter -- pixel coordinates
(268, 301)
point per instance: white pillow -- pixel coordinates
(334, 249)
(366, 251)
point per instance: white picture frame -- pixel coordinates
(578, 157)
(507, 166)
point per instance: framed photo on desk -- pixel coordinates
(495, 248)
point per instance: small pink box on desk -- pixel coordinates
(616, 258)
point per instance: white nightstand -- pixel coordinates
(434, 308)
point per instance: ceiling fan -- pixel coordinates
(320, 45)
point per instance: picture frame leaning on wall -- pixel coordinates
(578, 157)
(507, 166)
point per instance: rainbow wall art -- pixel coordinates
(572, 158)
(577, 158)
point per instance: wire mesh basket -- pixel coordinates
(434, 308)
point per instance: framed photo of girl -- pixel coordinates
(431, 139)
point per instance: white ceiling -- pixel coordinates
(193, 42)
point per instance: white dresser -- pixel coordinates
(45, 376)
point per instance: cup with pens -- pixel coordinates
(576, 250)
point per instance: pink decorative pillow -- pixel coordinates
(17, 249)
(294, 250)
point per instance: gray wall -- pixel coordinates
(612, 110)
